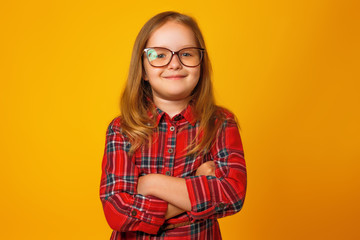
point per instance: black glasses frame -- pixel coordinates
(202, 50)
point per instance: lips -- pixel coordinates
(175, 76)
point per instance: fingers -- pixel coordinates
(207, 168)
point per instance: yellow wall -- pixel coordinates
(288, 69)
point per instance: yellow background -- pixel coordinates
(288, 69)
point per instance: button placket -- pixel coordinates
(171, 144)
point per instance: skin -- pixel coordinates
(171, 94)
(172, 189)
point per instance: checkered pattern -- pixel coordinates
(133, 216)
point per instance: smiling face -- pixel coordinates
(173, 82)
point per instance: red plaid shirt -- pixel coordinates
(134, 216)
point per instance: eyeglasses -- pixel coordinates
(160, 57)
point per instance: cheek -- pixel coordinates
(196, 74)
(147, 71)
(152, 73)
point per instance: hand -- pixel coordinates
(207, 168)
(144, 185)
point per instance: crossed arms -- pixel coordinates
(172, 189)
(134, 203)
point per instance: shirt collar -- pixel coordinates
(187, 114)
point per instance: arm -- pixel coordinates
(224, 194)
(170, 189)
(208, 196)
(124, 209)
(149, 184)
(173, 211)
(153, 184)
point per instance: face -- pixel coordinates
(175, 81)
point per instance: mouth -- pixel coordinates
(175, 77)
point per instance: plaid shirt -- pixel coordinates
(134, 216)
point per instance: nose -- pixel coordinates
(175, 62)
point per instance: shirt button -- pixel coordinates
(172, 128)
(133, 212)
(168, 173)
(170, 150)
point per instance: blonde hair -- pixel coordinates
(134, 102)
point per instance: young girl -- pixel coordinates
(173, 161)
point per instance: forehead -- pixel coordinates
(172, 35)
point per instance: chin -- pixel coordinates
(177, 97)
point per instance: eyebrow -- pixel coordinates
(185, 46)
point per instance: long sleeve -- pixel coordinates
(223, 195)
(124, 209)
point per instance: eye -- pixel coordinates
(161, 53)
(152, 55)
(186, 54)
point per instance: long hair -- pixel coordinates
(136, 122)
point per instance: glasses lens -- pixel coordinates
(158, 56)
(190, 56)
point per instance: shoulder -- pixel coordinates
(226, 117)
(115, 125)
(116, 137)
(225, 114)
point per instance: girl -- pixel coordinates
(173, 161)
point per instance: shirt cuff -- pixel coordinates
(153, 216)
(203, 201)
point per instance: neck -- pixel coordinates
(171, 107)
